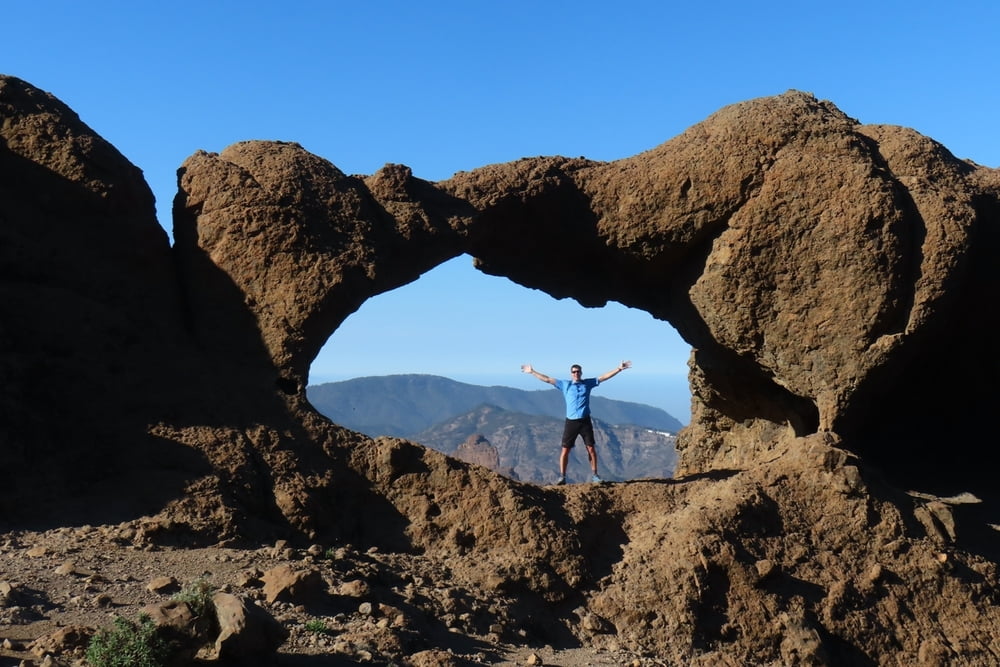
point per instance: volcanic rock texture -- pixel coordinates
(835, 281)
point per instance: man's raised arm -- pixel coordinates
(526, 368)
(610, 374)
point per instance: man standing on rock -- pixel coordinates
(577, 394)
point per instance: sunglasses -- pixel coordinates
(576, 370)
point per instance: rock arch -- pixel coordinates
(808, 260)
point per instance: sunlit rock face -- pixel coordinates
(824, 272)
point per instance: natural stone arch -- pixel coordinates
(799, 253)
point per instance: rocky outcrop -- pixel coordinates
(476, 449)
(813, 263)
(832, 278)
(88, 296)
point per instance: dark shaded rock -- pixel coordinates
(87, 295)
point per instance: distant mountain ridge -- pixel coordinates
(527, 446)
(405, 405)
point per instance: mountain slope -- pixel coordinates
(403, 405)
(529, 446)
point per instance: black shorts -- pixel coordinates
(575, 427)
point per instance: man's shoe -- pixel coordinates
(596, 480)
(561, 480)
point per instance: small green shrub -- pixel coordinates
(129, 644)
(316, 626)
(198, 595)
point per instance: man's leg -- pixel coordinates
(587, 431)
(563, 460)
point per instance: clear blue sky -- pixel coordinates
(449, 86)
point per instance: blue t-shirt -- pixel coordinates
(577, 395)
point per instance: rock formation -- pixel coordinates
(477, 449)
(834, 281)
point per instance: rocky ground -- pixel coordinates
(787, 564)
(364, 607)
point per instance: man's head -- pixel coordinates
(576, 371)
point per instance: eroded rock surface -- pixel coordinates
(834, 281)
